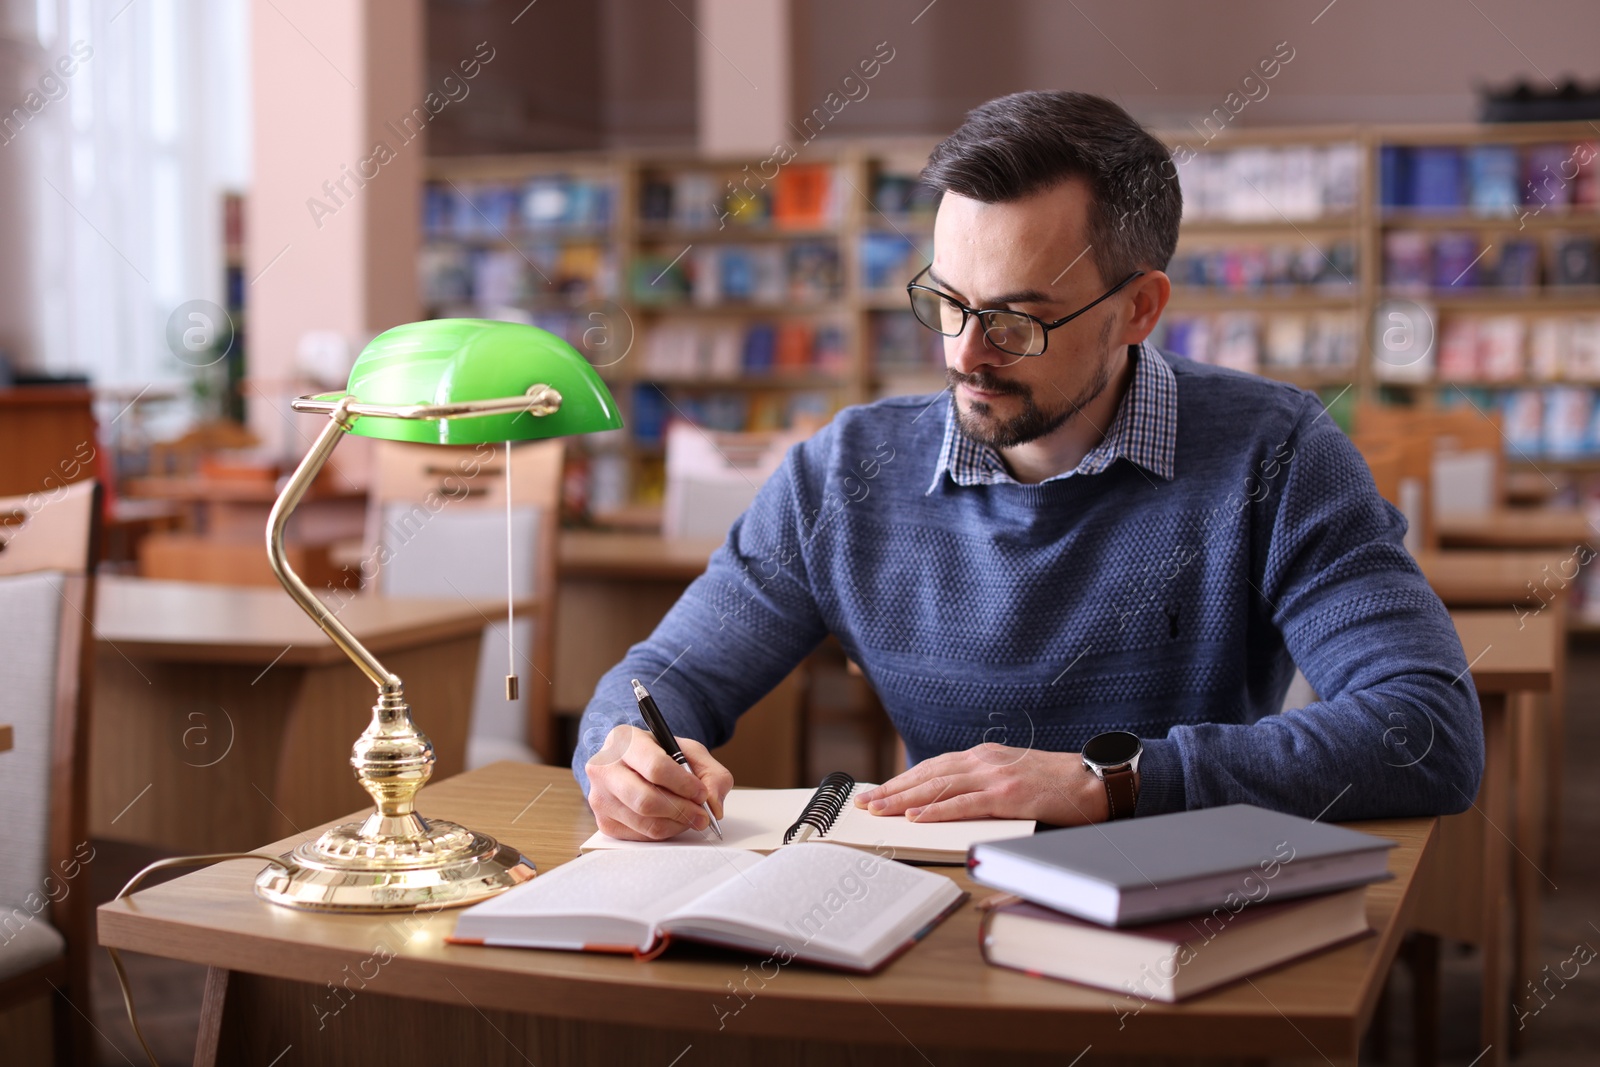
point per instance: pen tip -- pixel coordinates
(639, 690)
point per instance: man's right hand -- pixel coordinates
(639, 793)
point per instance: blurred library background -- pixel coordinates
(209, 207)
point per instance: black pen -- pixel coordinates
(663, 734)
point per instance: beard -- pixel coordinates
(979, 422)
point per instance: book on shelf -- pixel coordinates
(1522, 421)
(1253, 267)
(1494, 180)
(804, 197)
(1574, 260)
(466, 209)
(1250, 184)
(818, 903)
(1436, 178)
(899, 192)
(1164, 866)
(1486, 180)
(901, 343)
(1407, 260)
(804, 272)
(768, 820)
(681, 350)
(1248, 341)
(1545, 183)
(1455, 260)
(1170, 960)
(1568, 413)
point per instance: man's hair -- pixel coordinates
(1025, 143)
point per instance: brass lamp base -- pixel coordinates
(348, 869)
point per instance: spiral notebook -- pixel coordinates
(764, 820)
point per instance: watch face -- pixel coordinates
(1112, 749)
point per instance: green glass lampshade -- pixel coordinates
(444, 361)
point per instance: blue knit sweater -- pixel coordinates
(1041, 615)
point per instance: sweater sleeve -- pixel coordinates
(736, 632)
(1397, 730)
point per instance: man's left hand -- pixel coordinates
(994, 781)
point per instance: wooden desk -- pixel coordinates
(224, 717)
(1524, 581)
(223, 544)
(1465, 890)
(598, 554)
(1516, 528)
(6, 739)
(437, 1003)
(1498, 577)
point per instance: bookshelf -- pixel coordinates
(749, 296)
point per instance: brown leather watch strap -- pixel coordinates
(1121, 791)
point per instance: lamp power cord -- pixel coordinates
(205, 860)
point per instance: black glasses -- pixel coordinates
(1015, 333)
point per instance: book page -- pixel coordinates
(825, 902)
(859, 827)
(756, 819)
(752, 819)
(639, 887)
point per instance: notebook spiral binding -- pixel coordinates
(825, 804)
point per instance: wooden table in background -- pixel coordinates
(227, 517)
(5, 739)
(1466, 889)
(1516, 528)
(223, 717)
(275, 974)
(615, 588)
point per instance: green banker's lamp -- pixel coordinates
(446, 382)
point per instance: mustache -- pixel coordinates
(985, 383)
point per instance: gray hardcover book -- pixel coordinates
(1140, 870)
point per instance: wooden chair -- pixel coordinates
(1402, 464)
(467, 486)
(47, 554)
(713, 476)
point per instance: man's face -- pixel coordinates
(1024, 255)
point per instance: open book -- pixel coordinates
(815, 902)
(764, 820)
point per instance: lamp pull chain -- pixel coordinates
(511, 613)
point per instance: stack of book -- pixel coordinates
(796, 196)
(1488, 179)
(701, 349)
(493, 209)
(1248, 341)
(1262, 184)
(461, 279)
(1415, 261)
(770, 274)
(1244, 268)
(1164, 907)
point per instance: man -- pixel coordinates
(1080, 578)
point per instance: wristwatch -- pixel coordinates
(1114, 759)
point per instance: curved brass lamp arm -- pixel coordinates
(287, 501)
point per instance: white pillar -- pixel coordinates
(333, 218)
(745, 79)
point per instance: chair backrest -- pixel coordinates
(1466, 474)
(713, 476)
(439, 512)
(50, 531)
(1402, 466)
(46, 657)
